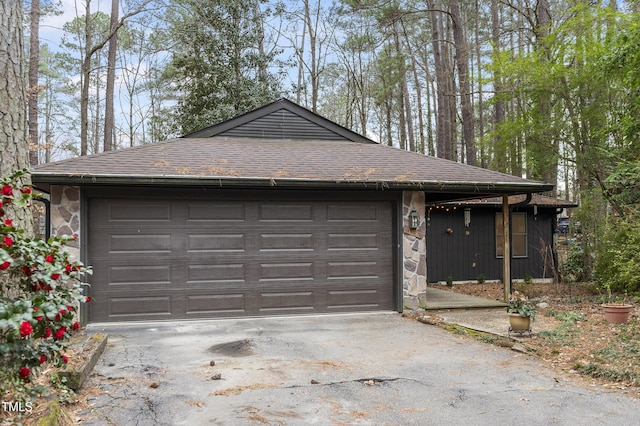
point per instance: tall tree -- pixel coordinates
(498, 156)
(14, 148)
(357, 53)
(462, 62)
(384, 90)
(543, 150)
(219, 69)
(311, 29)
(443, 75)
(90, 47)
(404, 103)
(479, 82)
(109, 117)
(34, 89)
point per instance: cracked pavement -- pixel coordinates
(364, 369)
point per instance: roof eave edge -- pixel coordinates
(226, 181)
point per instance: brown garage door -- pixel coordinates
(175, 259)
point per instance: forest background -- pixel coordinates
(547, 90)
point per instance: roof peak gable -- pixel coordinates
(281, 119)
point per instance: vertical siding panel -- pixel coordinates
(453, 255)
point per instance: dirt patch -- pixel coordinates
(239, 389)
(577, 339)
(237, 348)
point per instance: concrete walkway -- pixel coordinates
(472, 312)
(488, 320)
(442, 299)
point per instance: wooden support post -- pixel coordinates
(506, 249)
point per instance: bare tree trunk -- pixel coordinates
(362, 101)
(431, 91)
(14, 149)
(499, 155)
(47, 125)
(34, 88)
(315, 79)
(301, 66)
(483, 162)
(47, 94)
(96, 124)
(450, 87)
(406, 120)
(549, 171)
(109, 115)
(85, 68)
(262, 67)
(402, 124)
(84, 82)
(408, 116)
(414, 68)
(462, 61)
(515, 104)
(388, 103)
(443, 115)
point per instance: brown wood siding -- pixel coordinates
(464, 257)
(156, 258)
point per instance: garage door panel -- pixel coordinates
(139, 211)
(139, 275)
(132, 243)
(353, 241)
(358, 299)
(287, 301)
(286, 242)
(235, 258)
(207, 305)
(352, 270)
(140, 306)
(290, 212)
(223, 213)
(286, 271)
(216, 243)
(203, 274)
(356, 212)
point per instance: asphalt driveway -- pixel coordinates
(367, 369)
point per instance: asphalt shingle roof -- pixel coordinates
(255, 162)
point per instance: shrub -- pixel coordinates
(618, 262)
(572, 270)
(40, 294)
(528, 279)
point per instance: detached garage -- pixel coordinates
(275, 212)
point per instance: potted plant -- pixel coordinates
(521, 313)
(616, 311)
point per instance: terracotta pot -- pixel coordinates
(617, 313)
(519, 323)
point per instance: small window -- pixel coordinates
(518, 235)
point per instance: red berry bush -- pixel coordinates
(40, 291)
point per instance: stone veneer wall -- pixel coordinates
(65, 215)
(414, 245)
